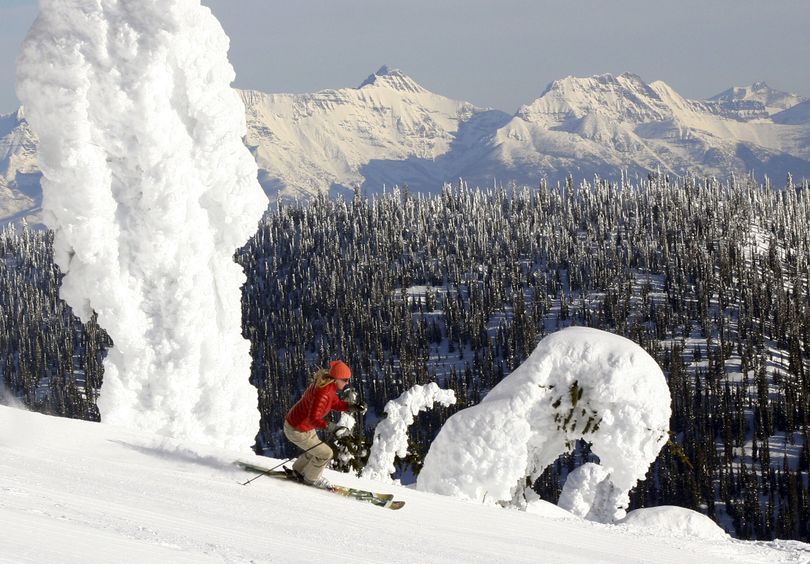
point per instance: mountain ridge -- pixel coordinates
(390, 131)
(757, 100)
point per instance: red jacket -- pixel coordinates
(316, 404)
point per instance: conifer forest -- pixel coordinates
(711, 278)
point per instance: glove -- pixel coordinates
(336, 431)
(350, 395)
(359, 408)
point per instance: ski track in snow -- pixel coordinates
(72, 491)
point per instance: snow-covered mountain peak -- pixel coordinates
(342, 139)
(382, 71)
(625, 97)
(11, 120)
(757, 100)
(394, 79)
(577, 87)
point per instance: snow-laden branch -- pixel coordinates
(391, 434)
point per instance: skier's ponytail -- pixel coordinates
(322, 378)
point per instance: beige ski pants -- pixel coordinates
(309, 464)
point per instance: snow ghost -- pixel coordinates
(391, 434)
(149, 190)
(579, 383)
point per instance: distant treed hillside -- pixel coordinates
(48, 359)
(712, 279)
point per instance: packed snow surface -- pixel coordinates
(579, 383)
(149, 190)
(87, 493)
(391, 434)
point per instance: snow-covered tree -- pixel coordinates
(391, 433)
(579, 383)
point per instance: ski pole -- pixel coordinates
(339, 432)
(282, 464)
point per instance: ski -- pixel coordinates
(378, 499)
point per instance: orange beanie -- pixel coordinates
(339, 370)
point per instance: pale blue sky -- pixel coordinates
(497, 53)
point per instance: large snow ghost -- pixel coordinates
(578, 383)
(149, 190)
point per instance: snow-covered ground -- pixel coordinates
(72, 491)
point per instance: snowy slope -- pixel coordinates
(796, 115)
(73, 491)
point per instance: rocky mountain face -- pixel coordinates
(391, 131)
(20, 193)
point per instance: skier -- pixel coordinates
(308, 414)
